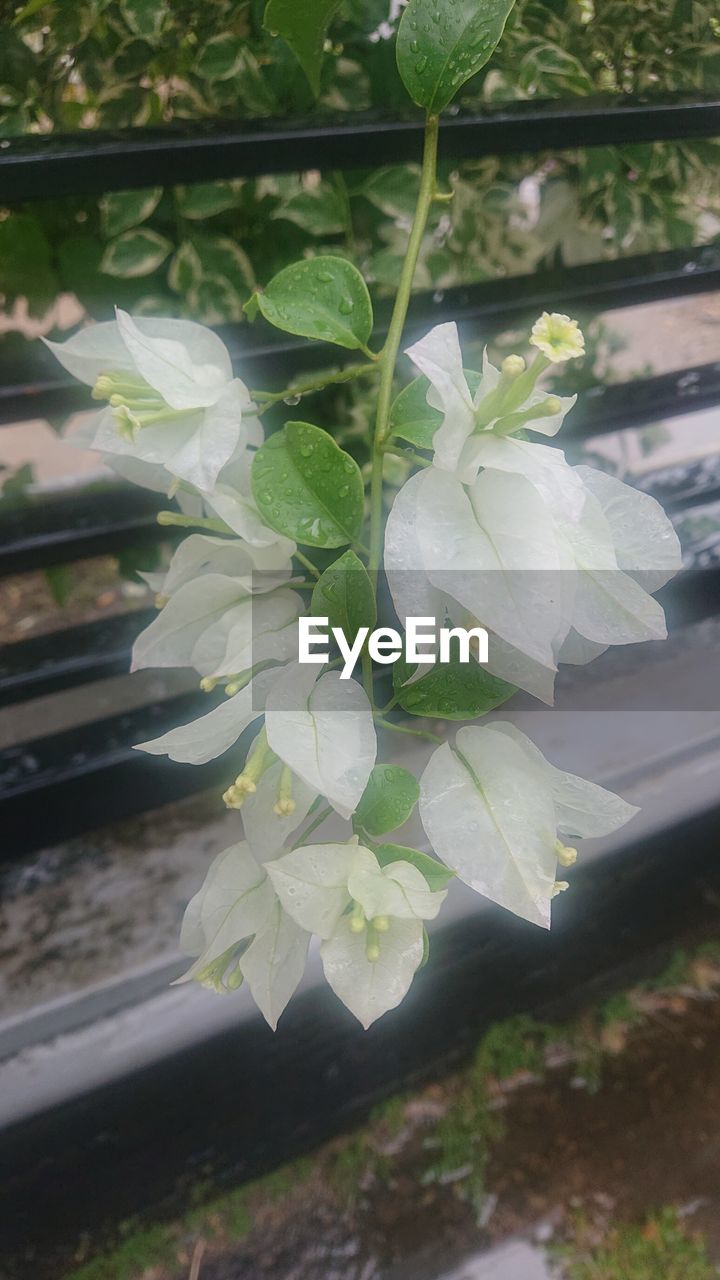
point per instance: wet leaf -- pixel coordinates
(323, 298)
(452, 691)
(304, 27)
(308, 488)
(344, 595)
(437, 875)
(388, 800)
(440, 46)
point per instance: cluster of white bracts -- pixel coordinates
(477, 535)
(557, 562)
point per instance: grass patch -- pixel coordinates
(153, 1247)
(228, 1217)
(660, 1250)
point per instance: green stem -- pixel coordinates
(323, 814)
(389, 354)
(311, 568)
(173, 518)
(409, 455)
(388, 361)
(307, 385)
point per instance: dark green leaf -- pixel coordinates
(324, 298)
(388, 799)
(344, 596)
(304, 26)
(436, 874)
(320, 212)
(412, 418)
(440, 46)
(220, 58)
(394, 191)
(185, 269)
(144, 17)
(135, 253)
(205, 199)
(124, 209)
(451, 690)
(307, 488)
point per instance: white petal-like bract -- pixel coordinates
(323, 729)
(370, 988)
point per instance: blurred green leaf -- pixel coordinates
(304, 27)
(135, 253)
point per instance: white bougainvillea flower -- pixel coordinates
(323, 730)
(491, 548)
(493, 809)
(216, 625)
(237, 929)
(173, 400)
(258, 569)
(371, 955)
(439, 357)
(576, 549)
(558, 337)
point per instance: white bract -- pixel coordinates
(237, 929)
(557, 562)
(219, 626)
(323, 730)
(173, 400)
(371, 953)
(493, 809)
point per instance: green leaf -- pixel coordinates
(205, 199)
(185, 270)
(213, 300)
(304, 27)
(24, 249)
(220, 256)
(451, 690)
(323, 298)
(440, 46)
(394, 190)
(344, 596)
(320, 212)
(412, 418)
(436, 873)
(220, 58)
(125, 209)
(135, 253)
(388, 799)
(307, 488)
(144, 17)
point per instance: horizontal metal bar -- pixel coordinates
(136, 1146)
(55, 788)
(69, 658)
(33, 386)
(101, 521)
(46, 166)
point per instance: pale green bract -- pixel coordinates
(484, 527)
